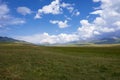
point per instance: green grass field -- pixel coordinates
(29, 62)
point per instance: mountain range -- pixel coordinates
(10, 40)
(7, 39)
(100, 41)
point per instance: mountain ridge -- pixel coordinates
(100, 41)
(10, 40)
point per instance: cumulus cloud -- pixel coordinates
(86, 30)
(24, 10)
(50, 39)
(6, 19)
(106, 25)
(55, 7)
(61, 24)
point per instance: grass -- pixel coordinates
(29, 62)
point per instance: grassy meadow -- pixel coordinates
(30, 62)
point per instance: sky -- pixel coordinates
(59, 21)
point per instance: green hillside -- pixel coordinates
(30, 62)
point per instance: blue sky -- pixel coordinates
(59, 21)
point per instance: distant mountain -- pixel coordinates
(99, 41)
(108, 41)
(7, 39)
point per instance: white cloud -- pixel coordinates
(51, 39)
(97, 12)
(64, 5)
(105, 29)
(3, 9)
(55, 7)
(6, 19)
(9, 20)
(84, 23)
(68, 18)
(86, 30)
(16, 21)
(107, 24)
(76, 13)
(61, 24)
(99, 21)
(96, 0)
(117, 23)
(24, 10)
(67, 6)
